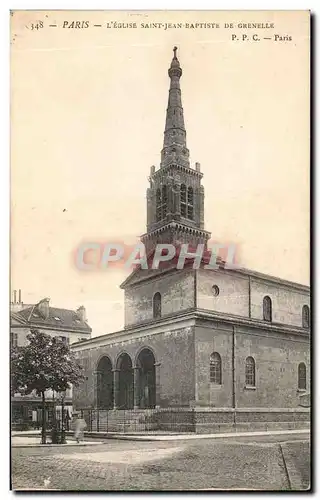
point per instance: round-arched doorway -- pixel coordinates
(125, 381)
(104, 383)
(146, 379)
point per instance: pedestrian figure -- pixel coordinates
(79, 427)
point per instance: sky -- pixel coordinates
(87, 121)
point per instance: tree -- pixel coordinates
(46, 362)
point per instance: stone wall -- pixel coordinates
(211, 421)
(207, 341)
(286, 304)
(277, 356)
(233, 295)
(176, 289)
(243, 297)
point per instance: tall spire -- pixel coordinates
(174, 143)
(175, 198)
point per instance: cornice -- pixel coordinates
(175, 166)
(39, 326)
(187, 318)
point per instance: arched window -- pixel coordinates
(186, 201)
(267, 308)
(306, 316)
(302, 376)
(250, 372)
(190, 203)
(215, 368)
(183, 200)
(164, 201)
(158, 205)
(157, 305)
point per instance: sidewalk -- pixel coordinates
(185, 437)
(26, 436)
(26, 433)
(22, 439)
(35, 442)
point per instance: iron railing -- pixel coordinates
(151, 420)
(24, 421)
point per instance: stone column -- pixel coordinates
(158, 388)
(136, 387)
(96, 385)
(116, 388)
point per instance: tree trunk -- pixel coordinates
(44, 429)
(63, 432)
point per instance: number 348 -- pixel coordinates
(36, 26)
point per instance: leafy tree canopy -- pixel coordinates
(46, 362)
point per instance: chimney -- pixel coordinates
(198, 167)
(44, 308)
(14, 296)
(152, 170)
(81, 312)
(20, 301)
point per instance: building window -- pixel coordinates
(250, 372)
(164, 201)
(161, 203)
(215, 368)
(158, 205)
(157, 305)
(183, 200)
(302, 376)
(186, 202)
(190, 203)
(306, 316)
(14, 339)
(267, 308)
(65, 340)
(215, 290)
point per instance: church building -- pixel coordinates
(226, 348)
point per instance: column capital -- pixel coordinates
(157, 364)
(114, 370)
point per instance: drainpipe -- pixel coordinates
(234, 374)
(249, 297)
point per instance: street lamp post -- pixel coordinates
(54, 428)
(61, 436)
(63, 432)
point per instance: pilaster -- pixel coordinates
(116, 388)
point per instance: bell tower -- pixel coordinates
(175, 198)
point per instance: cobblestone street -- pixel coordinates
(237, 463)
